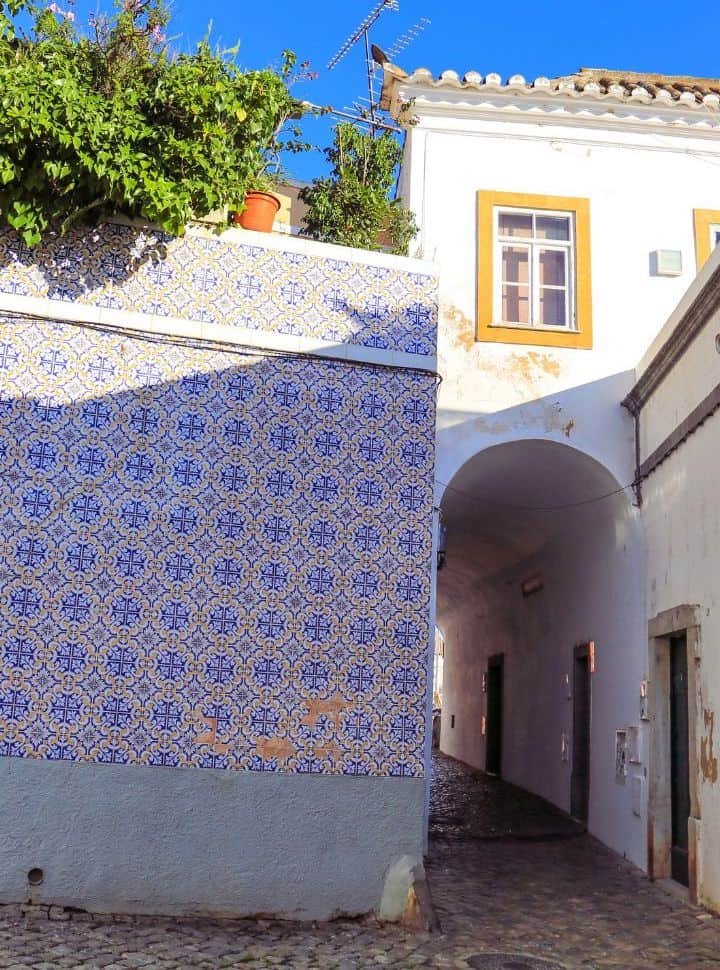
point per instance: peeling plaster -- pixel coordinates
(533, 365)
(271, 748)
(318, 707)
(708, 761)
(463, 328)
(209, 735)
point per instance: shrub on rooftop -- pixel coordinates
(103, 119)
(353, 205)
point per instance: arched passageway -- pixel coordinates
(541, 605)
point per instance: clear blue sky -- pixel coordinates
(507, 36)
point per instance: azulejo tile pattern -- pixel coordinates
(216, 281)
(211, 559)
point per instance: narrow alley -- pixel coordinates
(510, 874)
(516, 886)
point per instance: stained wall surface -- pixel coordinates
(213, 558)
(620, 158)
(682, 525)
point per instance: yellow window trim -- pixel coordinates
(704, 218)
(580, 339)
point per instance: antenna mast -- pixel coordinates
(363, 33)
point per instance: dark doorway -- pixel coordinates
(679, 758)
(580, 782)
(493, 740)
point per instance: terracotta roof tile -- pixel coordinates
(596, 83)
(675, 85)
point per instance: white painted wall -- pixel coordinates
(645, 170)
(643, 183)
(681, 516)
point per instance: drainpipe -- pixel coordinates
(634, 408)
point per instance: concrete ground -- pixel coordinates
(516, 886)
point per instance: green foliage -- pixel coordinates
(105, 121)
(353, 206)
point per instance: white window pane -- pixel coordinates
(515, 224)
(515, 304)
(552, 308)
(515, 264)
(552, 227)
(553, 264)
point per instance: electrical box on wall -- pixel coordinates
(632, 743)
(620, 756)
(636, 794)
(666, 262)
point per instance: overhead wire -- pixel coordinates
(219, 346)
(252, 350)
(477, 499)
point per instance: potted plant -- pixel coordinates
(260, 205)
(259, 208)
(126, 128)
(355, 205)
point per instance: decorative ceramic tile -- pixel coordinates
(214, 559)
(216, 281)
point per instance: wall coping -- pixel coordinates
(81, 313)
(283, 242)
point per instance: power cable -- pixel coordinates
(248, 350)
(529, 508)
(219, 346)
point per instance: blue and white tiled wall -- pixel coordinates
(212, 281)
(212, 559)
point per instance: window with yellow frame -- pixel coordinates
(534, 270)
(707, 234)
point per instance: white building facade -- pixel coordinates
(568, 217)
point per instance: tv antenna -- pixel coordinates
(406, 39)
(362, 33)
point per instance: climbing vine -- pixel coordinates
(102, 119)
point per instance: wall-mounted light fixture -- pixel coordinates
(532, 585)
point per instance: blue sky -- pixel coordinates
(530, 37)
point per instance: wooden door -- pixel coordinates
(580, 782)
(493, 740)
(679, 758)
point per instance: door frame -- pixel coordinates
(497, 660)
(582, 652)
(670, 623)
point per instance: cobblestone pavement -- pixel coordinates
(508, 874)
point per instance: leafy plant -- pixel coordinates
(353, 205)
(105, 120)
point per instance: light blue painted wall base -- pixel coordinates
(129, 839)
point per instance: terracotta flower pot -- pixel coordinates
(259, 212)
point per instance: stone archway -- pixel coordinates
(544, 556)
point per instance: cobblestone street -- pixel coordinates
(508, 875)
